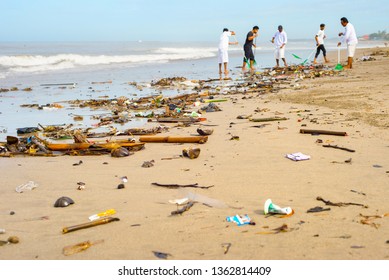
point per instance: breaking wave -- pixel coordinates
(41, 63)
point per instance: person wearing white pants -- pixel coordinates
(349, 37)
(223, 50)
(279, 40)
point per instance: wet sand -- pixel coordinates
(243, 173)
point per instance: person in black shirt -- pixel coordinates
(248, 48)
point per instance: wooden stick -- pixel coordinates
(327, 132)
(340, 148)
(175, 186)
(175, 120)
(268, 119)
(183, 209)
(339, 204)
(174, 139)
(90, 224)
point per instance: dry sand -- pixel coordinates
(244, 173)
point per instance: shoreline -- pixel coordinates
(244, 173)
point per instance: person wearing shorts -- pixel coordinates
(248, 48)
(279, 40)
(349, 37)
(223, 50)
(320, 36)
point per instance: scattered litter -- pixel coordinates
(362, 193)
(283, 228)
(109, 212)
(63, 201)
(192, 115)
(340, 148)
(148, 164)
(30, 185)
(317, 209)
(346, 161)
(191, 153)
(175, 186)
(181, 201)
(13, 239)
(183, 209)
(90, 224)
(339, 204)
(367, 58)
(73, 249)
(226, 247)
(357, 247)
(260, 126)
(240, 220)
(121, 186)
(42, 218)
(243, 117)
(211, 107)
(318, 132)
(215, 100)
(61, 84)
(78, 163)
(2, 231)
(270, 208)
(377, 166)
(170, 158)
(124, 179)
(161, 255)
(210, 202)
(346, 236)
(368, 220)
(268, 119)
(297, 156)
(120, 152)
(174, 139)
(204, 132)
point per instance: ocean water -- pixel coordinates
(82, 64)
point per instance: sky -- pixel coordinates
(181, 20)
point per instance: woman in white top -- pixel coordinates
(349, 37)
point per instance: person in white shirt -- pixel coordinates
(223, 49)
(349, 37)
(320, 36)
(279, 40)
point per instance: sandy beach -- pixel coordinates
(244, 173)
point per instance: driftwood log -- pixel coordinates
(340, 148)
(174, 139)
(175, 186)
(268, 119)
(318, 131)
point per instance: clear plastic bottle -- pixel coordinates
(30, 185)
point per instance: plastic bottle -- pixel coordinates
(102, 214)
(30, 185)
